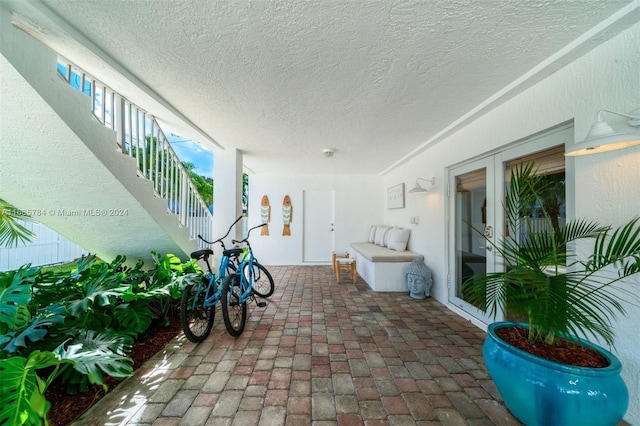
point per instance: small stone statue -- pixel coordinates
(418, 278)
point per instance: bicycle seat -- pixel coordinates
(232, 252)
(199, 254)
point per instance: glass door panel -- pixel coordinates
(477, 191)
(550, 165)
(472, 200)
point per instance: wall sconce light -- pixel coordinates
(419, 189)
(602, 137)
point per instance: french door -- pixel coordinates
(476, 213)
(472, 228)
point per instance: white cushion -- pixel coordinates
(372, 234)
(398, 239)
(387, 234)
(380, 231)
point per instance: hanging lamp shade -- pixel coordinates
(602, 137)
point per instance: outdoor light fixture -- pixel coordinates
(419, 189)
(602, 137)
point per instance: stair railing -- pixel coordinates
(140, 136)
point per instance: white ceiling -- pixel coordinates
(282, 80)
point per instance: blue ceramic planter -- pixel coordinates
(541, 392)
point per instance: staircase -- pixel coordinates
(103, 176)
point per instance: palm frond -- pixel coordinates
(12, 231)
(623, 244)
(546, 280)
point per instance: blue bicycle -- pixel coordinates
(198, 303)
(250, 279)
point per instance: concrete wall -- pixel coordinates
(606, 186)
(358, 206)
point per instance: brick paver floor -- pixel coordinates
(320, 353)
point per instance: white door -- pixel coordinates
(476, 213)
(472, 228)
(318, 237)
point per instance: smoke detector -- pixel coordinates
(327, 152)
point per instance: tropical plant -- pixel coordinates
(22, 400)
(77, 326)
(11, 230)
(203, 184)
(546, 279)
(148, 164)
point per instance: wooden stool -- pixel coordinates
(335, 256)
(348, 265)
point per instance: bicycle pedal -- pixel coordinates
(262, 304)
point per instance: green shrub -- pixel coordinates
(77, 326)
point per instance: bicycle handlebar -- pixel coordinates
(246, 239)
(219, 240)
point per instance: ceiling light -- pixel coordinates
(419, 189)
(328, 152)
(602, 137)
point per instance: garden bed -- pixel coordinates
(65, 408)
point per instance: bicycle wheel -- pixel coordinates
(262, 281)
(196, 320)
(234, 313)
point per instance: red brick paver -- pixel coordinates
(319, 353)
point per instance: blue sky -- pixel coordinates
(191, 151)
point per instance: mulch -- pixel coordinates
(65, 408)
(562, 351)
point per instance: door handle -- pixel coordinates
(487, 248)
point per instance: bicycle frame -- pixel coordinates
(213, 290)
(246, 285)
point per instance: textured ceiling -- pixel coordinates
(282, 80)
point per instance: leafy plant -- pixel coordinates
(203, 184)
(89, 316)
(11, 230)
(31, 329)
(164, 282)
(15, 292)
(22, 400)
(20, 325)
(544, 279)
(95, 354)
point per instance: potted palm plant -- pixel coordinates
(556, 284)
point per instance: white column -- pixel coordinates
(227, 194)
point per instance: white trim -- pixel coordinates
(473, 320)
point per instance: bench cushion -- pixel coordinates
(376, 253)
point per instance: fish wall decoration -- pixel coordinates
(265, 214)
(287, 215)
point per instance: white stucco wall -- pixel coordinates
(358, 205)
(607, 186)
(59, 161)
